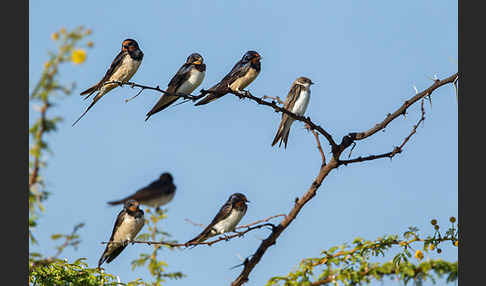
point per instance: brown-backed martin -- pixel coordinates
(296, 102)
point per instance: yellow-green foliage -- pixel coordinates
(42, 99)
(51, 270)
(155, 266)
(350, 265)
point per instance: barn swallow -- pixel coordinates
(227, 218)
(296, 102)
(128, 224)
(242, 74)
(122, 69)
(157, 194)
(185, 81)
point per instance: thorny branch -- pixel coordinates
(318, 144)
(259, 221)
(403, 109)
(274, 98)
(325, 169)
(323, 172)
(157, 88)
(194, 223)
(249, 227)
(396, 150)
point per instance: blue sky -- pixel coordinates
(365, 58)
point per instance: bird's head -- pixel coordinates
(305, 81)
(195, 58)
(132, 205)
(131, 46)
(238, 198)
(167, 177)
(252, 56)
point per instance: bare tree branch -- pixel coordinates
(325, 169)
(194, 223)
(271, 239)
(318, 144)
(323, 172)
(402, 109)
(259, 221)
(276, 98)
(157, 88)
(396, 150)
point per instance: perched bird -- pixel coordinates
(296, 102)
(227, 218)
(128, 224)
(185, 81)
(242, 74)
(121, 69)
(158, 193)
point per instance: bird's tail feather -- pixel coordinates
(95, 99)
(285, 138)
(102, 258)
(277, 137)
(282, 133)
(91, 90)
(109, 254)
(211, 97)
(116, 202)
(162, 104)
(200, 238)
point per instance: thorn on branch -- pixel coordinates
(272, 226)
(415, 88)
(244, 263)
(454, 83)
(352, 148)
(127, 100)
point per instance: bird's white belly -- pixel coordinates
(229, 223)
(300, 105)
(124, 72)
(160, 201)
(129, 229)
(244, 81)
(194, 80)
